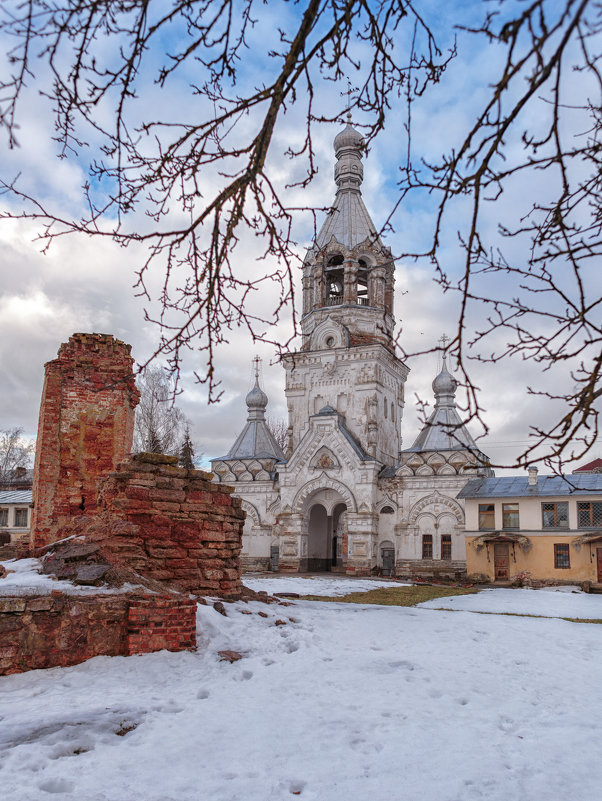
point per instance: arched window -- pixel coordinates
(385, 407)
(335, 280)
(362, 283)
(387, 510)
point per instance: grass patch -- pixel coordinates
(399, 596)
(522, 614)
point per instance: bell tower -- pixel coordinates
(347, 358)
(348, 274)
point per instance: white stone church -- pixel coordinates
(345, 497)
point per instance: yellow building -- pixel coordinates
(540, 528)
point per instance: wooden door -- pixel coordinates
(599, 559)
(501, 561)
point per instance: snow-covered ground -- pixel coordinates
(23, 578)
(343, 703)
(548, 601)
(326, 584)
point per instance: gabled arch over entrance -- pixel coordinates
(302, 499)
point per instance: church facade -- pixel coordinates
(344, 495)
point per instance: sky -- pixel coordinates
(87, 284)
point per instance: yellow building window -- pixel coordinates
(510, 515)
(20, 518)
(555, 515)
(561, 555)
(486, 516)
(589, 514)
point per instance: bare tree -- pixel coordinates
(532, 292)
(15, 453)
(160, 425)
(279, 428)
(146, 176)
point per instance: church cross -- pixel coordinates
(349, 92)
(443, 341)
(257, 362)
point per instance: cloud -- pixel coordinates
(86, 283)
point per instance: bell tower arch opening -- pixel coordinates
(335, 281)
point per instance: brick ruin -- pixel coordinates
(85, 429)
(136, 518)
(167, 524)
(58, 630)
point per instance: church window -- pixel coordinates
(387, 510)
(427, 546)
(385, 407)
(392, 411)
(330, 342)
(510, 515)
(486, 516)
(446, 546)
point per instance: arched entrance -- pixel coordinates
(320, 506)
(326, 535)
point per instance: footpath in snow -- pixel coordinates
(340, 702)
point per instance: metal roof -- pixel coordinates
(518, 486)
(255, 441)
(15, 496)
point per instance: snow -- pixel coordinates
(318, 585)
(548, 602)
(343, 702)
(24, 578)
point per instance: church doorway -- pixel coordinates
(326, 544)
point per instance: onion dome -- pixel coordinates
(348, 137)
(256, 398)
(444, 384)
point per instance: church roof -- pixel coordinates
(255, 441)
(444, 431)
(348, 221)
(360, 452)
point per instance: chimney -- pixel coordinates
(532, 476)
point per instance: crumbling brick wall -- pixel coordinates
(59, 630)
(181, 529)
(85, 428)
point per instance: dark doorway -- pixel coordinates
(388, 561)
(324, 540)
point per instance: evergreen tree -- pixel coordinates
(186, 458)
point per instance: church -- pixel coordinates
(344, 496)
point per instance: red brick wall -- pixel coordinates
(182, 529)
(85, 428)
(59, 630)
